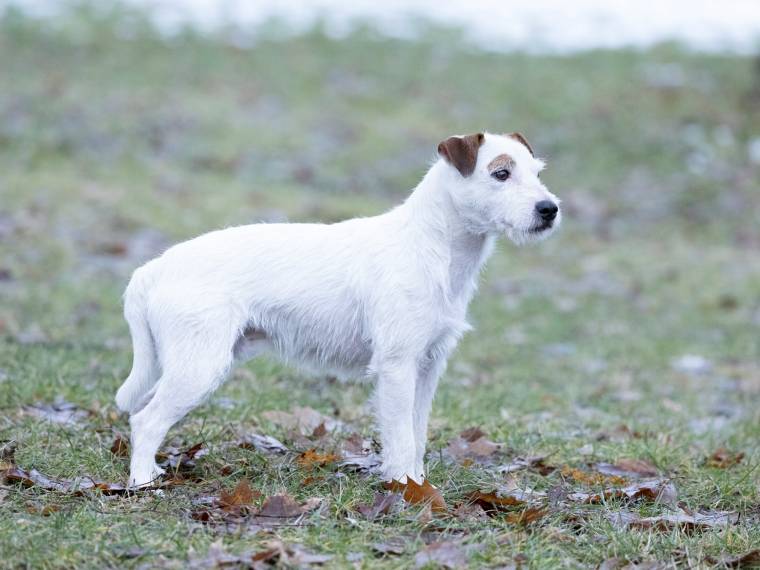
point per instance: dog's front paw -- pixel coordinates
(140, 478)
(395, 472)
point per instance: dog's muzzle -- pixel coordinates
(546, 212)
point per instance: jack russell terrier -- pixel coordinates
(384, 297)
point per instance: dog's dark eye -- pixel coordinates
(500, 175)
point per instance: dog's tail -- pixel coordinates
(133, 394)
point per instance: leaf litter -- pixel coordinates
(419, 494)
(303, 420)
(77, 486)
(58, 412)
(238, 506)
(472, 445)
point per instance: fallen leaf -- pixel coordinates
(493, 501)
(531, 461)
(446, 554)
(415, 493)
(319, 431)
(628, 468)
(305, 420)
(468, 511)
(687, 522)
(723, 458)
(175, 459)
(361, 463)
(120, 447)
(587, 478)
(472, 444)
(8, 449)
(749, 559)
(58, 412)
(262, 443)
(284, 506)
(290, 556)
(34, 478)
(311, 458)
(241, 496)
(657, 490)
(355, 444)
(527, 516)
(382, 505)
(44, 511)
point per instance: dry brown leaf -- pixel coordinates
(468, 511)
(628, 467)
(284, 506)
(278, 554)
(493, 501)
(749, 559)
(723, 458)
(472, 445)
(319, 431)
(415, 493)
(241, 496)
(312, 458)
(8, 449)
(658, 490)
(44, 511)
(382, 505)
(587, 478)
(446, 554)
(175, 459)
(527, 516)
(34, 478)
(120, 447)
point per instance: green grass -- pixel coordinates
(104, 134)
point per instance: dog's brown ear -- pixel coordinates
(461, 152)
(520, 138)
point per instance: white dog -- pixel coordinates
(384, 296)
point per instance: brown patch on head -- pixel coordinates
(501, 161)
(521, 139)
(461, 152)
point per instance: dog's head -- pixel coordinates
(496, 186)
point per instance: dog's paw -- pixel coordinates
(141, 479)
(390, 472)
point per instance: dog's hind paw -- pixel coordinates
(145, 478)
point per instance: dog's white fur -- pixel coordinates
(384, 296)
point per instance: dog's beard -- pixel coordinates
(532, 234)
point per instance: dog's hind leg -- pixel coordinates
(135, 391)
(193, 368)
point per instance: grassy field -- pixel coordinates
(632, 334)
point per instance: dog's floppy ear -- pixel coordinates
(521, 139)
(461, 152)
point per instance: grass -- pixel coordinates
(115, 142)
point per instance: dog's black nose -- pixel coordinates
(547, 209)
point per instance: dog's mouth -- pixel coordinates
(542, 227)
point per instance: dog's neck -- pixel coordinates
(431, 208)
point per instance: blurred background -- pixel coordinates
(128, 126)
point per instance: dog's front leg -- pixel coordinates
(427, 382)
(394, 402)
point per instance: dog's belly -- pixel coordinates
(334, 345)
